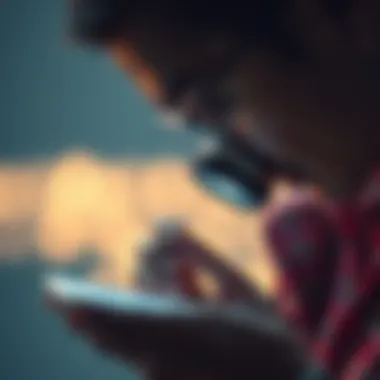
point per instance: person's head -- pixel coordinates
(299, 79)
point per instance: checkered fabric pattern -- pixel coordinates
(329, 290)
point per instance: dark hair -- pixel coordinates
(262, 22)
(96, 21)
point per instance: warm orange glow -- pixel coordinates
(146, 79)
(79, 202)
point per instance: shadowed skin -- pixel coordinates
(297, 79)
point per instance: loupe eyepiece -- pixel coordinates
(231, 177)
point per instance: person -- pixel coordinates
(298, 80)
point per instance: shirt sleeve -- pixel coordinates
(302, 240)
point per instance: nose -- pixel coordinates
(150, 86)
(175, 88)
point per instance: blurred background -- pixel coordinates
(85, 169)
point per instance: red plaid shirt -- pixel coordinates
(329, 292)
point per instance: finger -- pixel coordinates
(177, 342)
(162, 371)
(134, 337)
(232, 284)
(211, 345)
(161, 271)
(106, 333)
(169, 251)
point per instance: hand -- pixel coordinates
(215, 344)
(172, 261)
(227, 343)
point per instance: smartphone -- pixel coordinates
(71, 293)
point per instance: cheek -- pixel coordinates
(264, 132)
(278, 109)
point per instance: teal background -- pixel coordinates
(55, 97)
